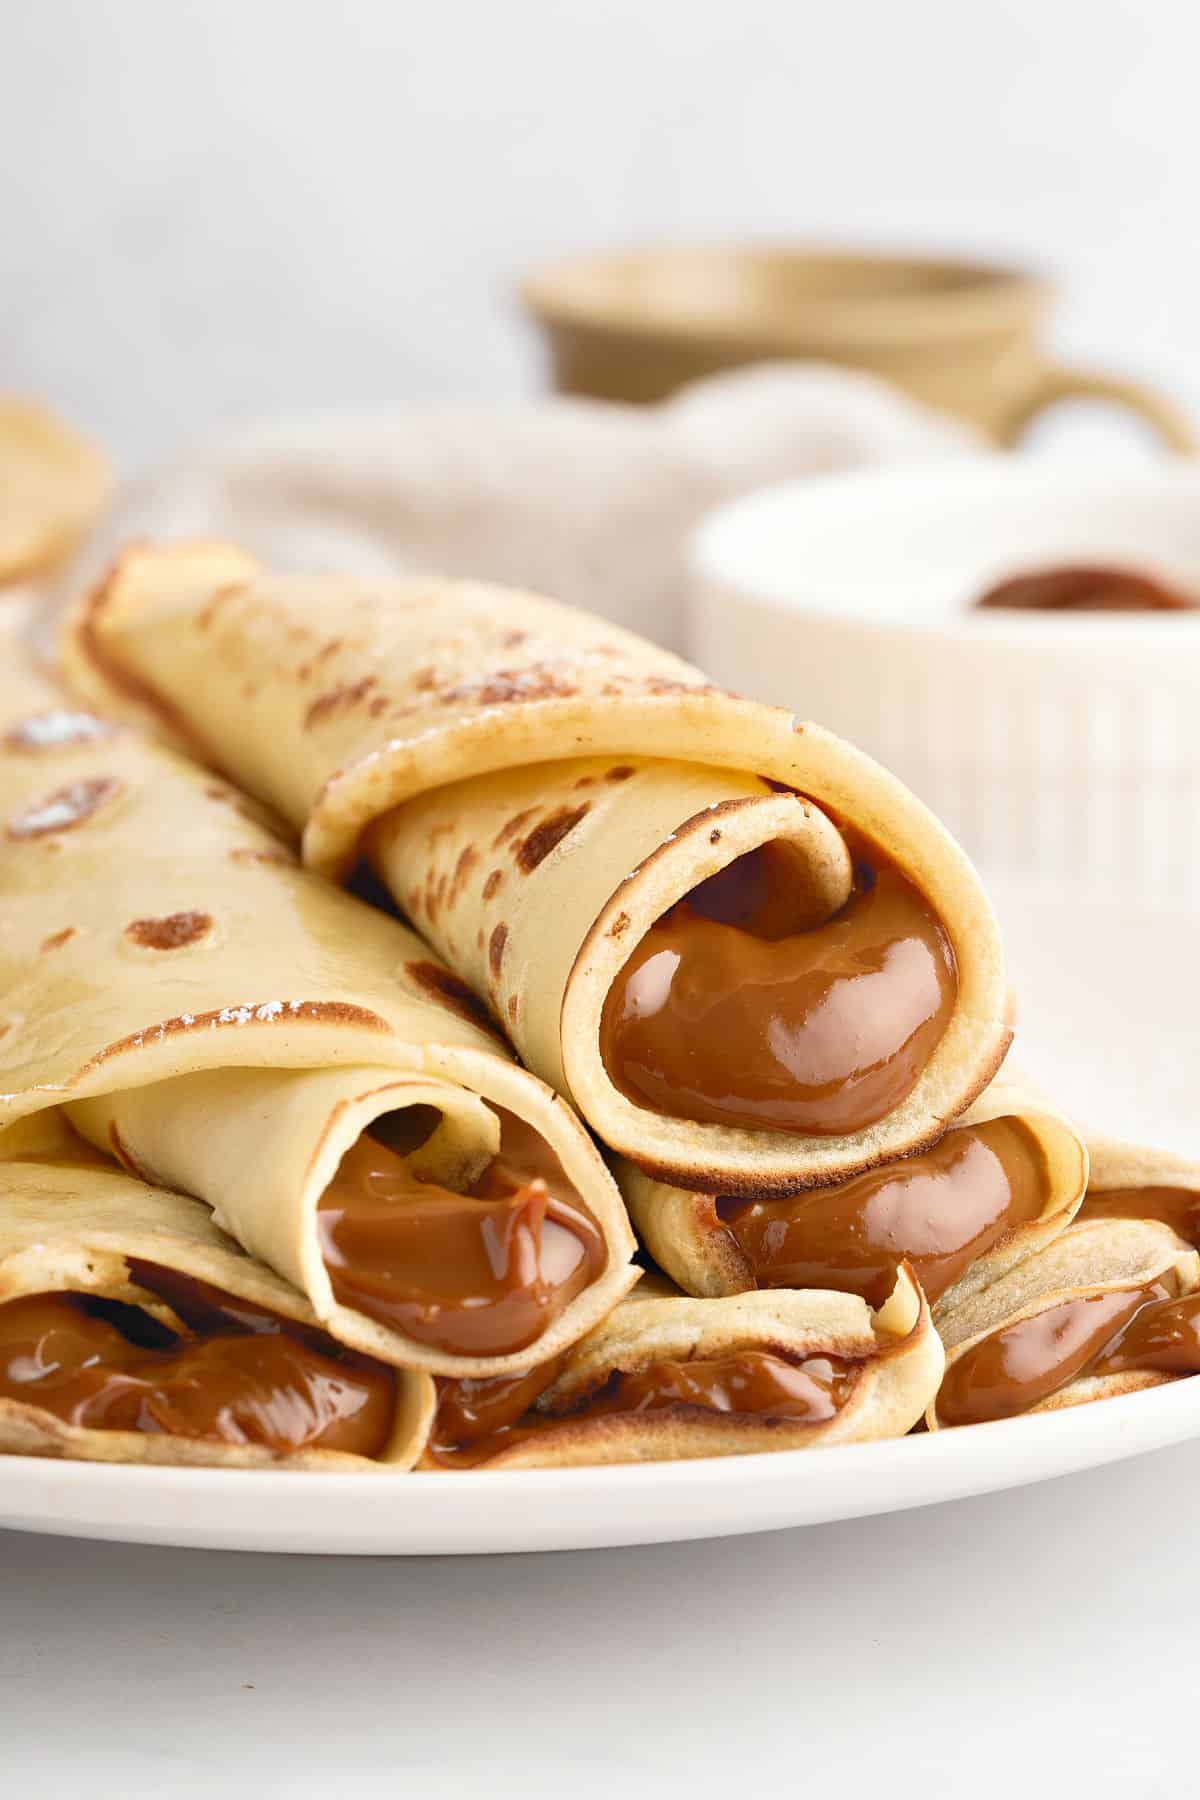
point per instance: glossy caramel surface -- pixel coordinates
(237, 1375)
(939, 1211)
(733, 1011)
(476, 1274)
(1087, 588)
(1164, 1335)
(1145, 1328)
(473, 1426)
(1177, 1207)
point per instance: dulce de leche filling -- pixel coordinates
(1087, 588)
(939, 1211)
(733, 1011)
(1177, 1207)
(476, 1420)
(477, 1274)
(235, 1375)
(1012, 1369)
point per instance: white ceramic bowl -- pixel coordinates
(1058, 744)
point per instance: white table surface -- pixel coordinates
(1034, 1637)
(1039, 1636)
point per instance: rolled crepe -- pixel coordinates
(233, 1028)
(1111, 1306)
(1134, 1181)
(747, 953)
(133, 1330)
(666, 1377)
(1004, 1181)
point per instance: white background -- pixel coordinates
(217, 209)
(1040, 1643)
(221, 210)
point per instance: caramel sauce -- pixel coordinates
(239, 1376)
(735, 1011)
(1164, 1335)
(1087, 588)
(472, 1427)
(1177, 1207)
(1148, 1327)
(476, 1274)
(939, 1211)
(474, 1411)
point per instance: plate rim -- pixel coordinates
(440, 1513)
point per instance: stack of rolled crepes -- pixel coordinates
(277, 1188)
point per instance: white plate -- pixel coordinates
(1112, 995)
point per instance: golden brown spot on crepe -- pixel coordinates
(622, 772)
(496, 943)
(586, 781)
(511, 639)
(338, 699)
(467, 859)
(479, 938)
(5, 1027)
(304, 672)
(515, 824)
(619, 926)
(172, 932)
(512, 1006)
(57, 729)
(424, 679)
(280, 857)
(65, 808)
(546, 837)
(668, 684)
(267, 1012)
(492, 885)
(378, 705)
(208, 613)
(57, 939)
(452, 992)
(611, 689)
(540, 681)
(329, 649)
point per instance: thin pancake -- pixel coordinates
(230, 1026)
(666, 1377)
(539, 790)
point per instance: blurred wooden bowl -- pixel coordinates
(963, 337)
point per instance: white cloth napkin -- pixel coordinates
(590, 503)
